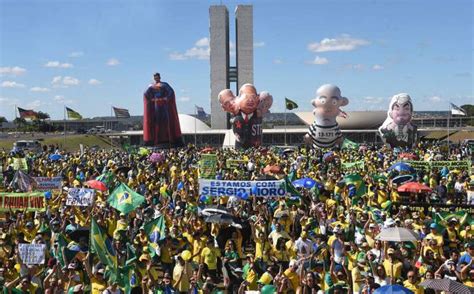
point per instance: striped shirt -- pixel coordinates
(324, 136)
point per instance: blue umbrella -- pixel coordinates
(402, 167)
(55, 157)
(392, 289)
(307, 183)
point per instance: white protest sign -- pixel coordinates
(48, 184)
(80, 197)
(32, 253)
(216, 188)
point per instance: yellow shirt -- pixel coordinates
(209, 257)
(413, 287)
(393, 270)
(252, 280)
(293, 277)
(97, 286)
(185, 272)
(356, 280)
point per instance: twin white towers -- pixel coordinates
(222, 74)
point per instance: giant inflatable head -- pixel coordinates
(397, 129)
(228, 101)
(247, 111)
(325, 132)
(248, 99)
(265, 102)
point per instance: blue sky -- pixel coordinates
(93, 54)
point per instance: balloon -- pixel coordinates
(245, 196)
(203, 198)
(397, 129)
(268, 289)
(48, 195)
(239, 194)
(324, 132)
(186, 255)
(180, 185)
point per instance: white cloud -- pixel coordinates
(64, 82)
(12, 71)
(277, 61)
(342, 43)
(4, 102)
(58, 64)
(200, 51)
(319, 61)
(356, 67)
(113, 62)
(258, 44)
(11, 84)
(35, 104)
(377, 67)
(203, 42)
(76, 54)
(39, 89)
(184, 99)
(61, 100)
(435, 99)
(94, 82)
(373, 100)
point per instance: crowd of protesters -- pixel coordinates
(319, 240)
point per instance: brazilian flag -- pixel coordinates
(348, 144)
(125, 199)
(290, 104)
(102, 246)
(72, 114)
(358, 182)
(155, 229)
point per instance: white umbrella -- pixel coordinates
(447, 285)
(397, 234)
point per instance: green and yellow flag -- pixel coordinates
(155, 229)
(101, 246)
(71, 114)
(125, 199)
(348, 144)
(290, 104)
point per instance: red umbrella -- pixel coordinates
(407, 156)
(207, 149)
(414, 187)
(98, 185)
(272, 169)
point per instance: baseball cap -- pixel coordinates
(433, 226)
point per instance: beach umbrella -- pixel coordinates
(393, 289)
(97, 185)
(397, 234)
(403, 179)
(414, 187)
(55, 157)
(155, 157)
(207, 150)
(219, 219)
(446, 285)
(402, 167)
(307, 183)
(407, 155)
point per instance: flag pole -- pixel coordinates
(449, 115)
(111, 124)
(64, 109)
(285, 123)
(195, 118)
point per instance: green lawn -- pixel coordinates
(71, 143)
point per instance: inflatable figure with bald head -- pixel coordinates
(397, 129)
(247, 111)
(325, 132)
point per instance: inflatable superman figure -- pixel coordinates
(160, 118)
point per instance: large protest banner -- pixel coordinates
(32, 253)
(208, 166)
(30, 201)
(80, 197)
(48, 184)
(20, 163)
(429, 165)
(215, 188)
